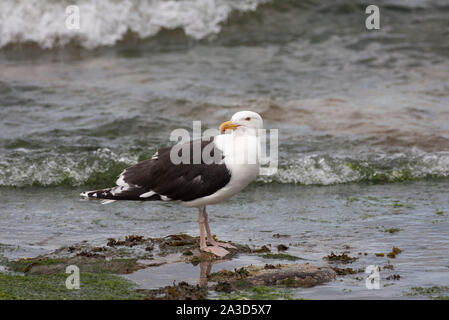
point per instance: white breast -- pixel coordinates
(241, 156)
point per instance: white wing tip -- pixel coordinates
(85, 194)
(147, 194)
(108, 201)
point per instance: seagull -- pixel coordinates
(195, 184)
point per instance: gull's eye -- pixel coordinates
(247, 118)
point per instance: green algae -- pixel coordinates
(346, 271)
(258, 293)
(97, 222)
(381, 175)
(434, 293)
(281, 256)
(343, 258)
(100, 179)
(46, 278)
(24, 265)
(389, 230)
(351, 200)
(52, 287)
(394, 251)
(88, 261)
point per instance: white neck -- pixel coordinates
(246, 131)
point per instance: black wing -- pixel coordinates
(159, 178)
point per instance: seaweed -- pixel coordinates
(343, 258)
(281, 256)
(52, 286)
(394, 251)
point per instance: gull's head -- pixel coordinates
(243, 121)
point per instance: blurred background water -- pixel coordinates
(361, 115)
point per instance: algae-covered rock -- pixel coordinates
(290, 275)
(52, 287)
(180, 291)
(86, 263)
(293, 275)
(135, 252)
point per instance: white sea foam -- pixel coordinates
(72, 169)
(319, 170)
(104, 22)
(101, 165)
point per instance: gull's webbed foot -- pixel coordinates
(216, 250)
(221, 244)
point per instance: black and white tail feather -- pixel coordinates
(160, 179)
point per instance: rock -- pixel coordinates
(180, 291)
(293, 275)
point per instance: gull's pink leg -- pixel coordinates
(203, 246)
(210, 239)
(201, 225)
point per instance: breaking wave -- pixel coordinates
(105, 22)
(102, 167)
(325, 170)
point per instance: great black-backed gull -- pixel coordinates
(200, 183)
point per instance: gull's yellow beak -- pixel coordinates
(228, 125)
